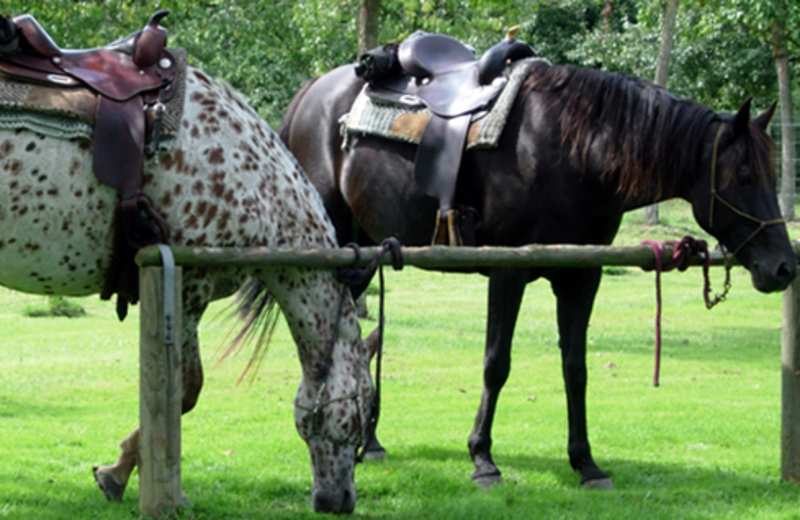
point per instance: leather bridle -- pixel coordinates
(316, 412)
(715, 196)
(350, 276)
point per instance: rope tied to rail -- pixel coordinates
(354, 275)
(682, 253)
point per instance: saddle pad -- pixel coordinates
(402, 123)
(69, 113)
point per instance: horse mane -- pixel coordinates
(661, 132)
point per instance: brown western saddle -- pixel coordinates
(132, 79)
(442, 74)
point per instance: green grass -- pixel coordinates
(705, 444)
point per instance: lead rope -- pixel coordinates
(689, 246)
(681, 256)
(354, 275)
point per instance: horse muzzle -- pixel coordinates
(337, 501)
(773, 278)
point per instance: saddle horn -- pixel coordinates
(151, 41)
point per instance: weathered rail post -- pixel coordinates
(790, 384)
(160, 389)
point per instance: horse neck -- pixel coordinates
(322, 319)
(679, 153)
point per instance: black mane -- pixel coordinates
(658, 131)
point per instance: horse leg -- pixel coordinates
(506, 288)
(113, 479)
(575, 291)
(373, 449)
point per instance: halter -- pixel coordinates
(316, 410)
(350, 276)
(716, 196)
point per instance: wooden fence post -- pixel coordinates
(790, 384)
(160, 394)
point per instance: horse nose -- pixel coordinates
(334, 501)
(775, 278)
(786, 272)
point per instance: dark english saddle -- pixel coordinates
(442, 74)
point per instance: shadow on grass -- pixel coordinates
(424, 481)
(549, 487)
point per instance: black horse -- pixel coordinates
(580, 148)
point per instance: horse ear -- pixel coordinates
(763, 119)
(742, 117)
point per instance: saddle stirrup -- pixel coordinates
(447, 231)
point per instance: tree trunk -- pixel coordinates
(368, 16)
(662, 73)
(788, 174)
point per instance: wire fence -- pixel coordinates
(776, 129)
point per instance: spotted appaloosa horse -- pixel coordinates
(228, 181)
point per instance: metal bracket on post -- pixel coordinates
(169, 294)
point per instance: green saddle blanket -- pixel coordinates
(406, 124)
(69, 113)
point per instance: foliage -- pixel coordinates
(556, 29)
(330, 26)
(55, 306)
(627, 39)
(255, 46)
(722, 52)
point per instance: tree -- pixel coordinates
(755, 46)
(368, 16)
(780, 52)
(662, 74)
(255, 46)
(777, 24)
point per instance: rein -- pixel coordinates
(351, 276)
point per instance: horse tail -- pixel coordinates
(258, 313)
(284, 131)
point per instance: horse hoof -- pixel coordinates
(487, 481)
(375, 454)
(598, 483)
(109, 485)
(373, 449)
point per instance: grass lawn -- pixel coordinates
(704, 445)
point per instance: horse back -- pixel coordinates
(285, 129)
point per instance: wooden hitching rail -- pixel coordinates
(159, 472)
